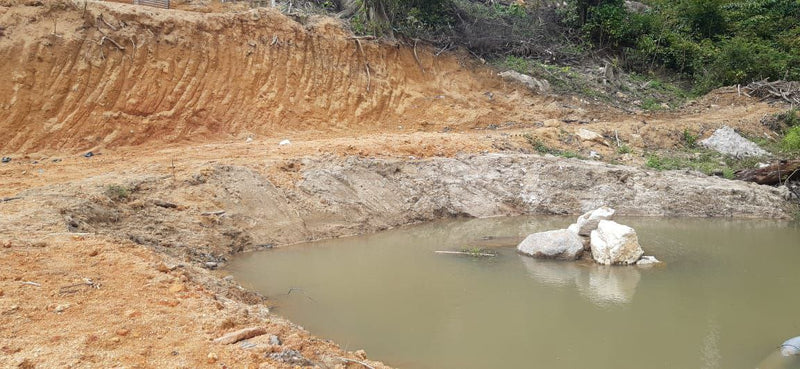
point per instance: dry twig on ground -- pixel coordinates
(788, 91)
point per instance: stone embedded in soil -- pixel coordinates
(615, 244)
(587, 135)
(290, 356)
(241, 334)
(274, 340)
(212, 358)
(560, 244)
(726, 141)
(538, 85)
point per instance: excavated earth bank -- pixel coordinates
(109, 260)
(156, 303)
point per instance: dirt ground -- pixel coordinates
(105, 258)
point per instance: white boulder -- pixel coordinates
(614, 243)
(559, 244)
(588, 222)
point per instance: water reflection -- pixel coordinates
(776, 360)
(603, 285)
(724, 300)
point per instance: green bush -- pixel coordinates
(790, 117)
(689, 140)
(743, 60)
(712, 42)
(608, 25)
(791, 142)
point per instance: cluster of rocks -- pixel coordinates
(609, 242)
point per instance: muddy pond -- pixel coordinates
(725, 297)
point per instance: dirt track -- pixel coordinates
(171, 120)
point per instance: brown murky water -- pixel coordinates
(726, 297)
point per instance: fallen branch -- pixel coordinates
(416, 57)
(792, 177)
(788, 91)
(106, 23)
(7, 199)
(465, 253)
(31, 283)
(112, 41)
(87, 282)
(771, 174)
(369, 78)
(164, 204)
(368, 37)
(366, 63)
(133, 54)
(445, 48)
(241, 334)
(357, 362)
(218, 212)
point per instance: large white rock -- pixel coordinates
(614, 243)
(725, 140)
(588, 222)
(559, 244)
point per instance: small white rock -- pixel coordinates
(284, 143)
(647, 260)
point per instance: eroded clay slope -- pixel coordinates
(114, 74)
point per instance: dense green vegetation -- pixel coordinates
(710, 43)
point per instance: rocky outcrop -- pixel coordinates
(615, 244)
(560, 244)
(537, 85)
(726, 141)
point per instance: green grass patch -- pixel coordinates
(704, 161)
(689, 139)
(541, 148)
(117, 192)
